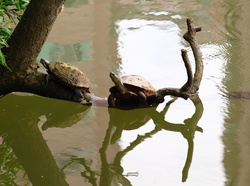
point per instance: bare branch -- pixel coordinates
(190, 37)
(193, 82)
(186, 61)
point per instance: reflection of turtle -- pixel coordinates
(132, 89)
(61, 117)
(70, 76)
(127, 120)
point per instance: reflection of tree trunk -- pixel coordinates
(34, 154)
(19, 128)
(237, 94)
(106, 175)
(187, 130)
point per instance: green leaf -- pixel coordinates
(10, 10)
(2, 61)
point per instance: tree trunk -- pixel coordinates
(30, 34)
(25, 44)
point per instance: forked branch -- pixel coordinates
(193, 82)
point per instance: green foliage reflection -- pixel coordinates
(9, 166)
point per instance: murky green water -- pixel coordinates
(58, 143)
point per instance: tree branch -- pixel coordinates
(193, 82)
(190, 37)
(186, 61)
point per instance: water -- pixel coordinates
(55, 139)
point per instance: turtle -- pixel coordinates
(70, 76)
(131, 89)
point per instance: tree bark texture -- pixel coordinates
(25, 44)
(30, 34)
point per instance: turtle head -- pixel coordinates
(115, 79)
(44, 62)
(113, 76)
(119, 85)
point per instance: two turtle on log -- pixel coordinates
(131, 91)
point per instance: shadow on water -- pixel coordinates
(21, 132)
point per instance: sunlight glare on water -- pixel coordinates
(152, 48)
(146, 45)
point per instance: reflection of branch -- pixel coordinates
(114, 171)
(188, 160)
(106, 176)
(189, 135)
(110, 172)
(137, 141)
(141, 138)
(189, 126)
(88, 173)
(187, 129)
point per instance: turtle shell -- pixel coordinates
(138, 92)
(68, 74)
(137, 82)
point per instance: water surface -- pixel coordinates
(58, 143)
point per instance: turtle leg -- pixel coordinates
(111, 100)
(87, 98)
(46, 80)
(79, 95)
(142, 99)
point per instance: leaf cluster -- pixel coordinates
(10, 12)
(9, 166)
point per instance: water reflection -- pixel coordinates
(94, 31)
(67, 52)
(143, 52)
(37, 160)
(21, 133)
(113, 173)
(236, 120)
(134, 119)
